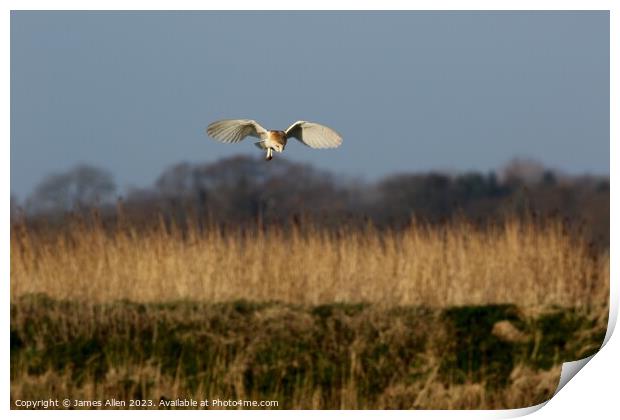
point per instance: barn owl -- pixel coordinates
(314, 135)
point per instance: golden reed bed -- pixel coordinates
(518, 262)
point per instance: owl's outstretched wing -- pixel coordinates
(314, 135)
(233, 131)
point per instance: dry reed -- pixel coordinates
(519, 262)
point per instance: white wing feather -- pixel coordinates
(233, 131)
(314, 135)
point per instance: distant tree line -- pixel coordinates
(243, 191)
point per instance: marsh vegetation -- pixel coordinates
(450, 316)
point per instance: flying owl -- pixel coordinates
(314, 135)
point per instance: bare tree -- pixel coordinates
(528, 171)
(15, 207)
(80, 187)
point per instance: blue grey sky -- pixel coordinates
(409, 91)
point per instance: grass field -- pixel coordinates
(427, 317)
(444, 266)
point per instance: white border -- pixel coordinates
(592, 394)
